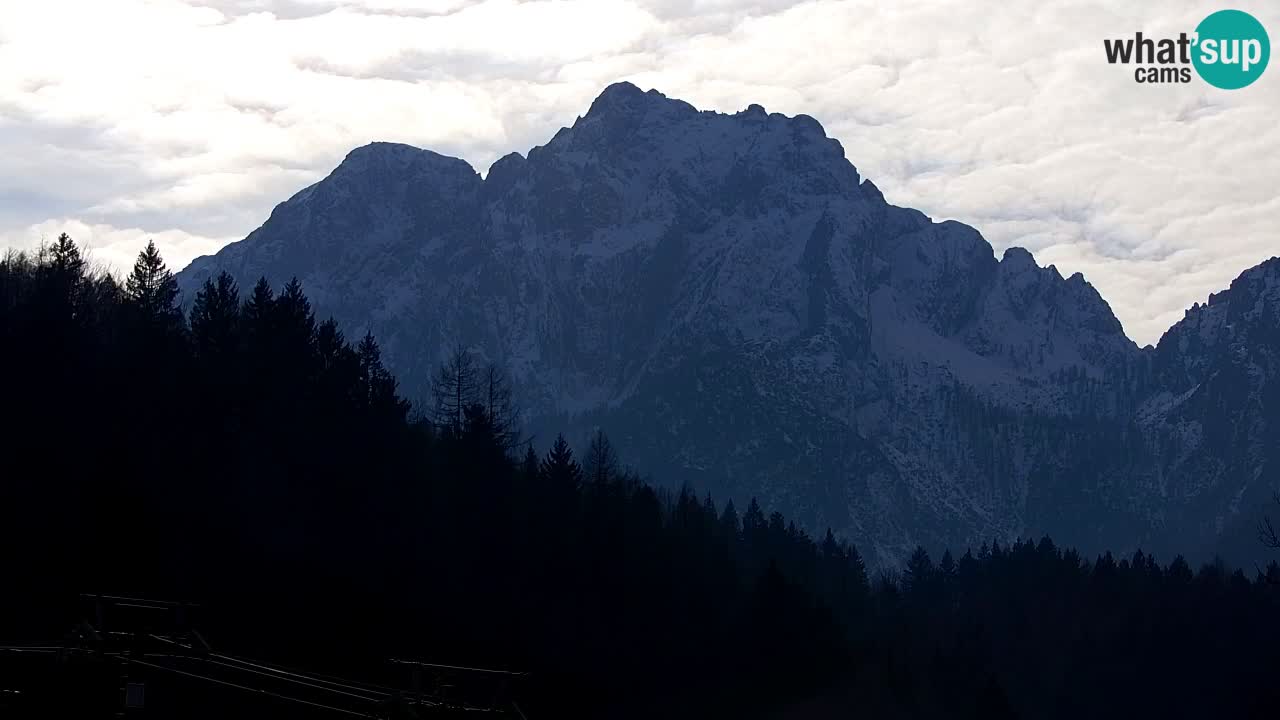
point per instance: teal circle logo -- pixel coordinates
(1232, 49)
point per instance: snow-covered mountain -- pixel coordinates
(741, 311)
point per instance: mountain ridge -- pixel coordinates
(730, 298)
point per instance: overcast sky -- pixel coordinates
(186, 122)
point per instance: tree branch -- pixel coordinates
(1267, 532)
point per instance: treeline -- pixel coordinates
(252, 458)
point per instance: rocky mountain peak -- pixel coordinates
(628, 126)
(398, 158)
(624, 98)
(1227, 330)
(727, 297)
(1018, 260)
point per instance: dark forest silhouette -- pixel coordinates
(255, 460)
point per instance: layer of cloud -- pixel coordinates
(188, 121)
(112, 248)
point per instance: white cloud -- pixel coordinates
(112, 248)
(188, 121)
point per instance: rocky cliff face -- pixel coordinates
(740, 310)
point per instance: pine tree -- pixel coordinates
(729, 527)
(601, 466)
(947, 565)
(685, 515)
(967, 567)
(339, 376)
(1179, 571)
(753, 522)
(215, 317)
(379, 385)
(529, 468)
(152, 290)
(558, 468)
(259, 311)
(500, 409)
(370, 364)
(65, 257)
(66, 274)
(918, 575)
(60, 301)
(777, 530)
(295, 322)
(330, 343)
(830, 548)
(454, 388)
(857, 570)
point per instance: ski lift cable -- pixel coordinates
(418, 698)
(246, 688)
(316, 678)
(383, 690)
(328, 679)
(171, 641)
(140, 602)
(459, 667)
(281, 670)
(386, 692)
(294, 680)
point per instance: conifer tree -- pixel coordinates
(65, 257)
(370, 364)
(295, 322)
(59, 301)
(330, 343)
(777, 528)
(729, 527)
(259, 312)
(215, 318)
(66, 275)
(558, 468)
(152, 290)
(379, 384)
(857, 570)
(947, 565)
(500, 408)
(529, 467)
(917, 577)
(753, 522)
(830, 548)
(708, 515)
(601, 466)
(453, 389)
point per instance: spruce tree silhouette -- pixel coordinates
(529, 467)
(153, 292)
(559, 469)
(729, 528)
(601, 466)
(215, 318)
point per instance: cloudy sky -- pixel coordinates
(186, 122)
